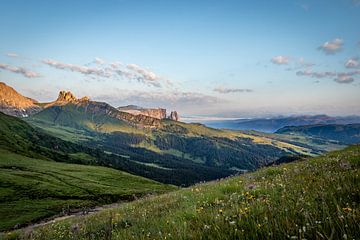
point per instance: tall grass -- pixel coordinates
(316, 198)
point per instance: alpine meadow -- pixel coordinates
(175, 120)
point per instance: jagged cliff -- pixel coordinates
(174, 116)
(100, 109)
(14, 104)
(158, 113)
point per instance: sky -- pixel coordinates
(227, 58)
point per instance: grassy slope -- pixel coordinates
(316, 198)
(32, 189)
(48, 117)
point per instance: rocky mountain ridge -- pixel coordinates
(13, 103)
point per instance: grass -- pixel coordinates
(317, 198)
(33, 189)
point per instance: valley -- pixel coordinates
(250, 206)
(74, 154)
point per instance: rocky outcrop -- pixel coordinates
(66, 97)
(69, 97)
(174, 116)
(14, 104)
(158, 113)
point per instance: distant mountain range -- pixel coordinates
(344, 134)
(159, 148)
(271, 125)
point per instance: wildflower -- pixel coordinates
(232, 223)
(206, 227)
(347, 209)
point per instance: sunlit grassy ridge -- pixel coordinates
(33, 189)
(315, 198)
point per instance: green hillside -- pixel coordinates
(19, 137)
(32, 189)
(316, 198)
(184, 148)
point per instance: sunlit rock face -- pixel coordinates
(14, 104)
(70, 97)
(158, 113)
(174, 116)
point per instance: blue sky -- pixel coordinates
(217, 58)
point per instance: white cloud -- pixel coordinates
(332, 47)
(19, 70)
(99, 61)
(352, 63)
(116, 64)
(280, 60)
(231, 90)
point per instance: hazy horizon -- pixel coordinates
(205, 58)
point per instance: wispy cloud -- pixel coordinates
(332, 47)
(304, 64)
(344, 78)
(313, 74)
(13, 55)
(144, 75)
(231, 90)
(77, 68)
(352, 63)
(339, 77)
(280, 60)
(20, 70)
(114, 70)
(171, 100)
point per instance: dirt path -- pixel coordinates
(71, 215)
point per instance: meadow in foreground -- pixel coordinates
(34, 189)
(317, 198)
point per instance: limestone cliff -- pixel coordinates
(158, 113)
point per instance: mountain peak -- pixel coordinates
(69, 97)
(66, 97)
(15, 104)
